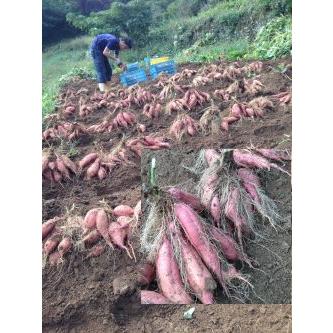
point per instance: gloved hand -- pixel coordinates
(122, 66)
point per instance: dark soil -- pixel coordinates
(79, 295)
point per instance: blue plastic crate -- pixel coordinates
(168, 67)
(129, 78)
(132, 67)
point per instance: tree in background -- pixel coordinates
(131, 18)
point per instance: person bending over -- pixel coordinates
(103, 48)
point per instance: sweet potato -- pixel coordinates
(123, 210)
(186, 198)
(96, 250)
(232, 214)
(208, 189)
(102, 225)
(69, 164)
(89, 221)
(251, 182)
(118, 233)
(274, 154)
(152, 297)
(198, 276)
(101, 173)
(145, 274)
(50, 245)
(65, 246)
(54, 258)
(168, 275)
(48, 226)
(211, 156)
(195, 234)
(227, 244)
(57, 176)
(215, 210)
(61, 167)
(92, 171)
(250, 160)
(87, 160)
(91, 238)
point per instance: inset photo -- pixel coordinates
(216, 226)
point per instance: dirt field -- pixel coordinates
(79, 296)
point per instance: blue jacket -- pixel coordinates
(105, 40)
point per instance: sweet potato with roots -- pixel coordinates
(65, 246)
(123, 210)
(250, 160)
(102, 225)
(250, 182)
(96, 251)
(152, 297)
(168, 275)
(91, 238)
(89, 221)
(119, 232)
(92, 171)
(88, 159)
(48, 226)
(198, 276)
(215, 210)
(187, 198)
(231, 212)
(51, 244)
(228, 246)
(194, 232)
(274, 154)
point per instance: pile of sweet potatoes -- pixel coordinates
(198, 241)
(92, 234)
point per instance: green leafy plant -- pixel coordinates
(273, 40)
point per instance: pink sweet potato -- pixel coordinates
(91, 238)
(168, 275)
(50, 245)
(215, 210)
(48, 226)
(102, 225)
(274, 154)
(251, 182)
(186, 198)
(92, 171)
(198, 276)
(123, 210)
(87, 160)
(146, 274)
(89, 221)
(195, 234)
(54, 258)
(250, 160)
(96, 250)
(69, 164)
(211, 156)
(208, 189)
(232, 214)
(118, 232)
(65, 246)
(152, 297)
(61, 167)
(227, 244)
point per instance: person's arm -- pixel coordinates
(109, 54)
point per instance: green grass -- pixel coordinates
(60, 63)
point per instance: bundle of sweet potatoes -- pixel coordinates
(92, 234)
(192, 246)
